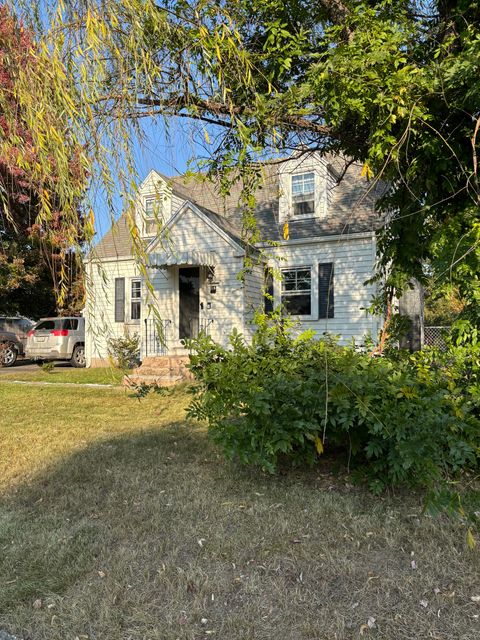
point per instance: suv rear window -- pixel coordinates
(48, 325)
(71, 324)
(58, 323)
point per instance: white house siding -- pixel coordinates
(353, 259)
(100, 322)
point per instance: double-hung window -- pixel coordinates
(152, 207)
(297, 291)
(303, 194)
(135, 299)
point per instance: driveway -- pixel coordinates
(27, 365)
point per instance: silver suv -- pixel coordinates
(57, 339)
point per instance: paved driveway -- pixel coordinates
(26, 365)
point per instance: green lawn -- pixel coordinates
(101, 375)
(118, 520)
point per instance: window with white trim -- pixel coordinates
(297, 291)
(303, 194)
(135, 300)
(152, 208)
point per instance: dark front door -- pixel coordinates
(189, 287)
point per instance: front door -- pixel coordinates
(189, 290)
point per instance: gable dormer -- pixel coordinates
(304, 185)
(153, 205)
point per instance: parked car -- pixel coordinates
(13, 338)
(57, 339)
(10, 347)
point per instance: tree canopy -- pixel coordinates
(391, 84)
(38, 263)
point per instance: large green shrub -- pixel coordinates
(409, 419)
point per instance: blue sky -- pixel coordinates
(165, 151)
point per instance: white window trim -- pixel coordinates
(161, 197)
(314, 165)
(308, 216)
(277, 286)
(131, 299)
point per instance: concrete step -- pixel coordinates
(160, 370)
(164, 360)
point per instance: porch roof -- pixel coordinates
(192, 257)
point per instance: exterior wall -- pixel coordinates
(100, 322)
(354, 260)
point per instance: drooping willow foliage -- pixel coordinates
(393, 85)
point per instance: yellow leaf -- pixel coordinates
(286, 231)
(471, 542)
(366, 171)
(207, 137)
(318, 445)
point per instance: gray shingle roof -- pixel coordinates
(116, 243)
(351, 210)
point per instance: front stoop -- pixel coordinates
(163, 371)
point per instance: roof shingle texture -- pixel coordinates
(351, 210)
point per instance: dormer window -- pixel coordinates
(149, 207)
(152, 207)
(303, 194)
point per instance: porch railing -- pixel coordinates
(160, 336)
(156, 337)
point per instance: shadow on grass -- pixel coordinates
(52, 529)
(145, 535)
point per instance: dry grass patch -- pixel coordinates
(121, 518)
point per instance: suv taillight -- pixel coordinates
(31, 333)
(59, 332)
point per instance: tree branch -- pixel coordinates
(338, 12)
(177, 103)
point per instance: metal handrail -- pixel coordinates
(155, 341)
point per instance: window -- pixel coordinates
(152, 210)
(297, 291)
(149, 207)
(135, 299)
(326, 290)
(303, 194)
(47, 325)
(71, 324)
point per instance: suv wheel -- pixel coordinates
(8, 354)
(78, 358)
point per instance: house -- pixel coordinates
(195, 250)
